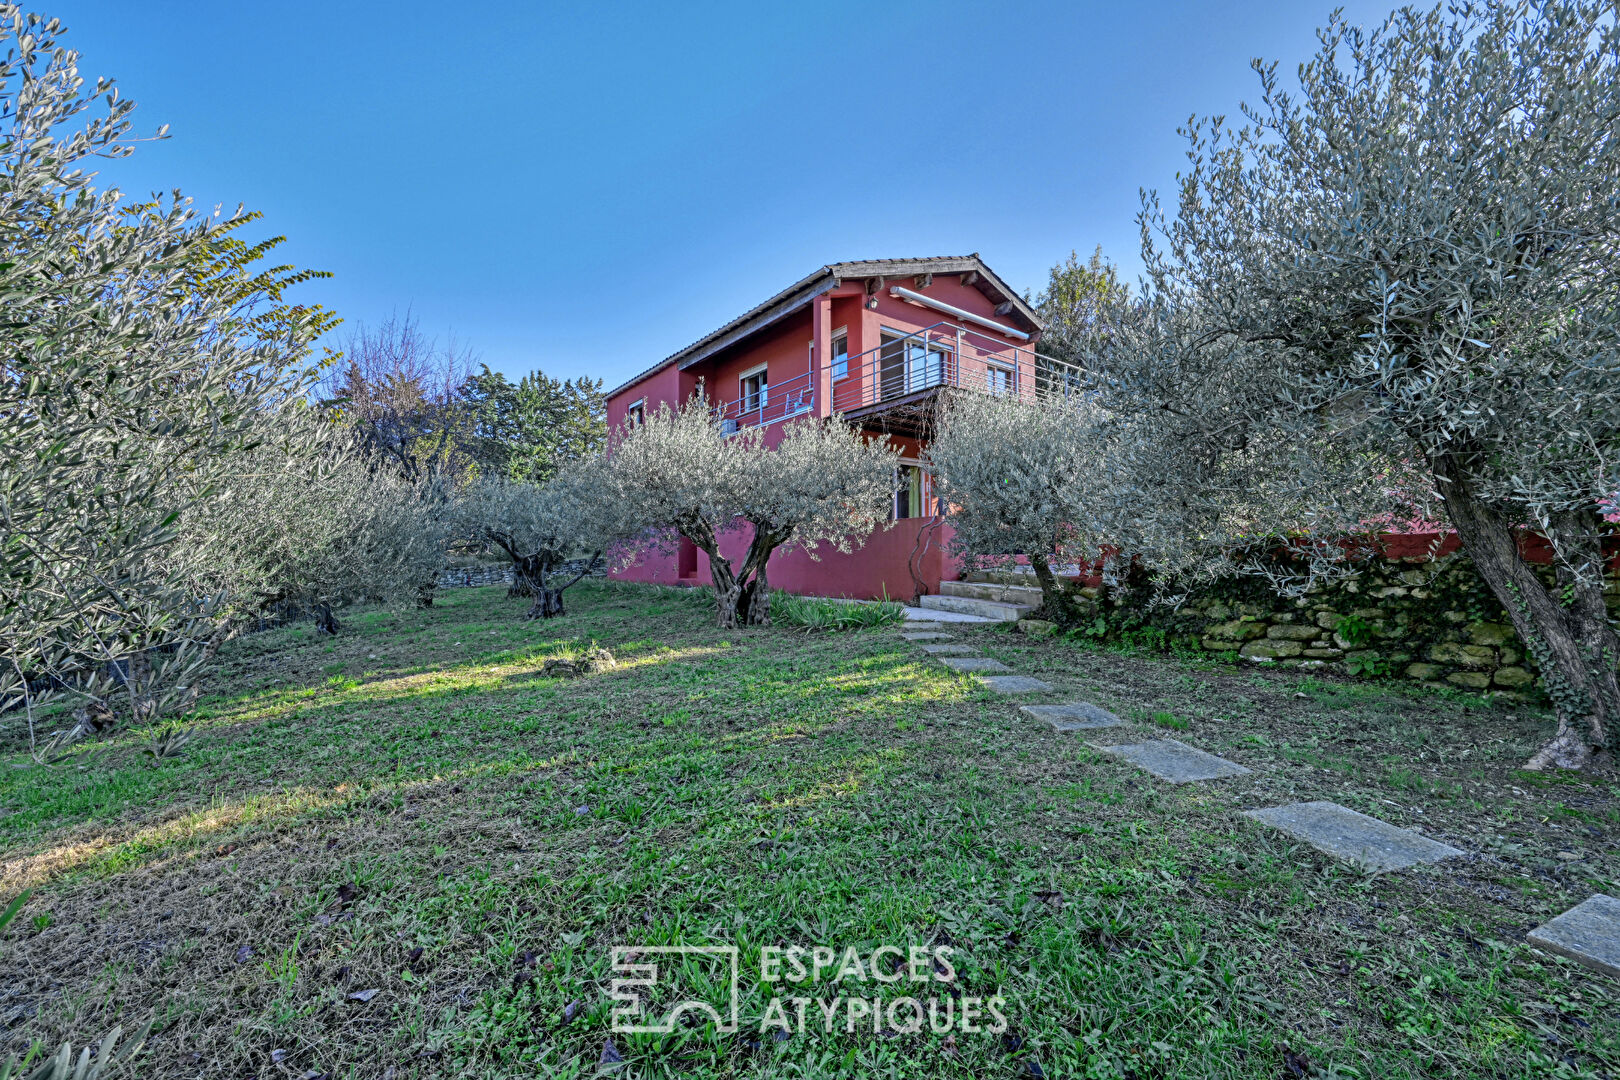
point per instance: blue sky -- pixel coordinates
(585, 188)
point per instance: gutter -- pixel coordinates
(951, 309)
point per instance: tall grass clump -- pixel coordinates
(813, 613)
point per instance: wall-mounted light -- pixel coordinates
(871, 303)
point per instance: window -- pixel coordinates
(997, 380)
(911, 494)
(637, 412)
(840, 354)
(755, 389)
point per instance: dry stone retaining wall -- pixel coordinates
(1431, 620)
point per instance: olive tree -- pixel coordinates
(1020, 476)
(1408, 266)
(133, 370)
(679, 473)
(308, 520)
(555, 533)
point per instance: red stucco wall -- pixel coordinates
(876, 570)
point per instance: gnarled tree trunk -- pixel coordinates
(325, 621)
(1057, 596)
(742, 596)
(1569, 634)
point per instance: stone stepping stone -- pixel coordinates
(948, 648)
(1174, 761)
(920, 625)
(973, 663)
(1341, 832)
(1588, 933)
(928, 635)
(1075, 716)
(1013, 684)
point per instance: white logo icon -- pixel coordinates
(684, 966)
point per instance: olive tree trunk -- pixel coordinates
(1568, 634)
(1058, 601)
(742, 595)
(548, 600)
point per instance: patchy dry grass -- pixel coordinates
(411, 809)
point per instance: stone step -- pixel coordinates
(988, 609)
(1002, 594)
(1017, 574)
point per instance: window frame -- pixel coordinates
(743, 404)
(839, 335)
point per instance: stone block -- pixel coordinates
(1341, 832)
(1487, 633)
(973, 663)
(1075, 716)
(1013, 684)
(1324, 653)
(1293, 632)
(1174, 761)
(1474, 680)
(1512, 677)
(948, 648)
(1236, 630)
(1423, 671)
(1473, 656)
(1214, 645)
(1272, 650)
(1588, 933)
(1036, 627)
(1328, 620)
(928, 635)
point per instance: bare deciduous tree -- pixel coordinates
(403, 391)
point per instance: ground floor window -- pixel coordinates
(913, 496)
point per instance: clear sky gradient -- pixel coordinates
(587, 187)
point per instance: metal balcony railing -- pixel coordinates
(770, 405)
(947, 355)
(908, 365)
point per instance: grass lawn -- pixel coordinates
(412, 809)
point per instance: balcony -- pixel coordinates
(894, 385)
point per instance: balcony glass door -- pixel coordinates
(908, 364)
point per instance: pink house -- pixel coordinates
(877, 342)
